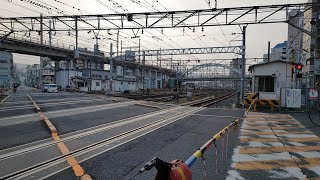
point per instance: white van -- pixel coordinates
(51, 88)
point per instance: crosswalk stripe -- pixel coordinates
(273, 127)
(272, 133)
(289, 122)
(311, 139)
(277, 164)
(277, 149)
(276, 144)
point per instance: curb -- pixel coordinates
(115, 100)
(147, 105)
(3, 100)
(85, 177)
(51, 127)
(63, 149)
(30, 97)
(34, 103)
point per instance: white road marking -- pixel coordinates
(234, 175)
(237, 157)
(289, 136)
(292, 173)
(315, 169)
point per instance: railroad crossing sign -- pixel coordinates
(313, 94)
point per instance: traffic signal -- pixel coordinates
(299, 75)
(298, 67)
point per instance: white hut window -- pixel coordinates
(266, 84)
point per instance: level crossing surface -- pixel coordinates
(112, 138)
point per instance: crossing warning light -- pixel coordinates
(299, 67)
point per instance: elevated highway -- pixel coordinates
(55, 53)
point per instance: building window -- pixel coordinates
(97, 83)
(3, 61)
(2, 76)
(4, 70)
(266, 84)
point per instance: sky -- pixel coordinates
(257, 35)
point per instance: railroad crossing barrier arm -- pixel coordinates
(184, 168)
(199, 153)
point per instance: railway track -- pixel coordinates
(135, 127)
(205, 102)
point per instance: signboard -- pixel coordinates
(313, 94)
(293, 98)
(47, 73)
(317, 66)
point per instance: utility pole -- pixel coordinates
(50, 33)
(143, 69)
(118, 43)
(243, 66)
(269, 51)
(121, 47)
(111, 69)
(76, 29)
(160, 57)
(41, 42)
(139, 51)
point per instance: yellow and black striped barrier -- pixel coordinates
(252, 95)
(263, 102)
(249, 98)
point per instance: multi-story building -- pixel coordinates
(295, 36)
(6, 69)
(278, 52)
(311, 46)
(235, 64)
(33, 74)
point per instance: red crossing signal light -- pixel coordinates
(298, 66)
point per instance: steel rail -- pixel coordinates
(208, 101)
(93, 146)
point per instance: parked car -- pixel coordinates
(45, 88)
(51, 88)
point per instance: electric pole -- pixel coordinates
(111, 69)
(118, 43)
(243, 64)
(41, 42)
(50, 33)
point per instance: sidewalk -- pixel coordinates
(276, 146)
(303, 118)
